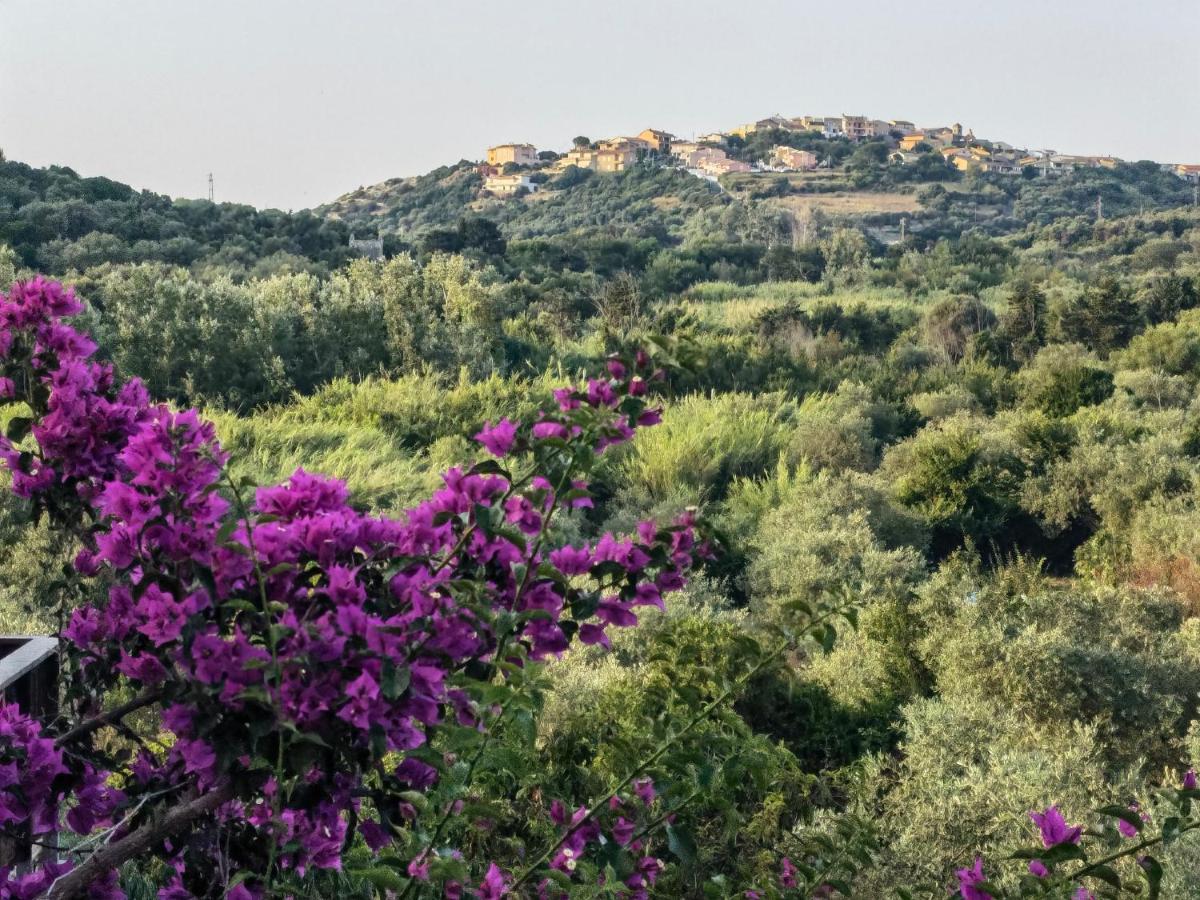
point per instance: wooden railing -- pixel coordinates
(28, 678)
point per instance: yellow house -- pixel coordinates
(605, 159)
(658, 140)
(521, 154)
(910, 141)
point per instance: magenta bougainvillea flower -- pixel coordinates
(787, 873)
(968, 881)
(1054, 828)
(498, 439)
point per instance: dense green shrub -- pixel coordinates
(961, 480)
(1062, 378)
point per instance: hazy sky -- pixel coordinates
(293, 102)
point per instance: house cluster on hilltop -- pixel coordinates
(513, 169)
(610, 155)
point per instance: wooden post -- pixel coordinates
(28, 678)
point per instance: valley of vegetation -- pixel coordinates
(984, 439)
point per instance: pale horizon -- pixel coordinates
(290, 105)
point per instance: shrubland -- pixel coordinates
(979, 449)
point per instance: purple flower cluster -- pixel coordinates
(86, 419)
(34, 780)
(623, 824)
(296, 627)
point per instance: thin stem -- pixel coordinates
(670, 812)
(1129, 851)
(272, 641)
(478, 755)
(109, 718)
(244, 514)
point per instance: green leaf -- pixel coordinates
(829, 638)
(239, 604)
(382, 878)
(395, 680)
(488, 467)
(1170, 829)
(18, 428)
(416, 798)
(1107, 875)
(562, 879)
(1154, 873)
(612, 855)
(310, 737)
(799, 605)
(226, 529)
(1056, 854)
(681, 844)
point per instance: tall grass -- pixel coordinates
(703, 443)
(735, 306)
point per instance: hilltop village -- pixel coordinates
(781, 144)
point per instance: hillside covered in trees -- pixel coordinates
(984, 439)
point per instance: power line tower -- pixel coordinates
(1099, 209)
(210, 187)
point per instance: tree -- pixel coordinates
(1102, 317)
(870, 155)
(581, 142)
(620, 304)
(1023, 324)
(1164, 298)
(478, 233)
(949, 326)
(846, 253)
